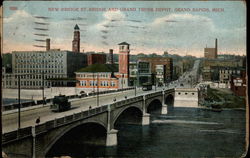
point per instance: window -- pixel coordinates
(82, 83)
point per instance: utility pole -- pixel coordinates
(93, 82)
(43, 87)
(122, 81)
(135, 85)
(19, 103)
(97, 97)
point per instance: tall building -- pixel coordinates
(76, 39)
(160, 74)
(168, 62)
(36, 67)
(143, 72)
(211, 53)
(124, 62)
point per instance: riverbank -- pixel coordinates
(224, 98)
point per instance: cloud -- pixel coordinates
(17, 15)
(183, 33)
(111, 17)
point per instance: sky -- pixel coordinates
(179, 27)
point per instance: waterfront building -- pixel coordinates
(106, 75)
(211, 68)
(52, 67)
(36, 68)
(238, 84)
(98, 76)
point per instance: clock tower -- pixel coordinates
(76, 40)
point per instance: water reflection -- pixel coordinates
(183, 132)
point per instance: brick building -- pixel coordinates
(211, 68)
(96, 59)
(238, 84)
(106, 75)
(168, 62)
(211, 53)
(101, 75)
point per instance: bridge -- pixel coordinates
(38, 140)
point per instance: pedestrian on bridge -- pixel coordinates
(38, 120)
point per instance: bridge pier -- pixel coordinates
(164, 109)
(146, 119)
(111, 138)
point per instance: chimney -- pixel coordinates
(216, 43)
(111, 59)
(216, 48)
(47, 44)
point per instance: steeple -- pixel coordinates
(76, 27)
(76, 39)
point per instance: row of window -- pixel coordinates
(38, 61)
(93, 75)
(30, 83)
(31, 55)
(37, 66)
(39, 71)
(94, 83)
(230, 71)
(185, 93)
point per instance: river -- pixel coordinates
(183, 132)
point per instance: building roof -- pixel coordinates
(123, 43)
(100, 68)
(76, 27)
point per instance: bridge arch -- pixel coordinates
(153, 106)
(60, 135)
(169, 100)
(131, 110)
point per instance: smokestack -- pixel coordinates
(216, 43)
(47, 44)
(216, 48)
(111, 59)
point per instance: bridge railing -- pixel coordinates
(69, 119)
(16, 135)
(34, 103)
(127, 101)
(153, 95)
(44, 127)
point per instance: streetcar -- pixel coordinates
(60, 103)
(146, 86)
